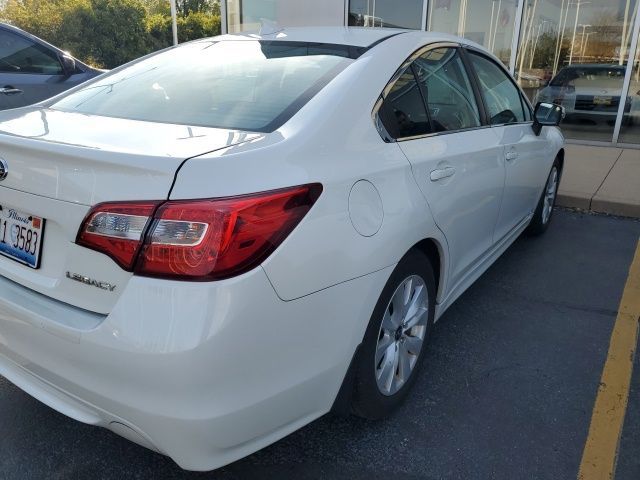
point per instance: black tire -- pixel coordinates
(368, 401)
(539, 223)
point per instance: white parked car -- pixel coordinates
(208, 248)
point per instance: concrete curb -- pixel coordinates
(610, 207)
(621, 208)
(602, 180)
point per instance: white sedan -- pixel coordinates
(210, 247)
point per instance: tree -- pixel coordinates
(108, 33)
(190, 27)
(105, 33)
(158, 7)
(198, 25)
(185, 7)
(545, 53)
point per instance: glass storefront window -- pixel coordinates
(630, 128)
(386, 13)
(487, 22)
(246, 15)
(574, 53)
(570, 52)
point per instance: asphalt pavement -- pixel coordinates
(506, 391)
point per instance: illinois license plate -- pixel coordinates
(21, 236)
(602, 100)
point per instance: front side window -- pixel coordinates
(242, 85)
(20, 55)
(448, 92)
(501, 97)
(403, 113)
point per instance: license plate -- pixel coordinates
(602, 100)
(21, 236)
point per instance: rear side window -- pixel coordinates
(20, 55)
(448, 92)
(243, 85)
(501, 96)
(403, 113)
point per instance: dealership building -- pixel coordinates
(583, 54)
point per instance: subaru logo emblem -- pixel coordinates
(4, 169)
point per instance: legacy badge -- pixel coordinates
(90, 281)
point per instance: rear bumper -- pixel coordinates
(205, 373)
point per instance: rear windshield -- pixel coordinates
(243, 85)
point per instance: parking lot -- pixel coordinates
(507, 389)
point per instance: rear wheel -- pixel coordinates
(395, 340)
(544, 210)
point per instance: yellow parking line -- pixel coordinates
(601, 449)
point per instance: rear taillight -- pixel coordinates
(197, 239)
(117, 229)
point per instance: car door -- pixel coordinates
(511, 119)
(456, 162)
(29, 71)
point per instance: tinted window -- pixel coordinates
(244, 85)
(501, 96)
(403, 112)
(446, 86)
(19, 55)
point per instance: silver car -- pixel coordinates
(590, 94)
(32, 70)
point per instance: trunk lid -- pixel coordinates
(89, 159)
(60, 163)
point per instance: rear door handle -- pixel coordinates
(9, 90)
(512, 155)
(441, 173)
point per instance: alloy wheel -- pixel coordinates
(401, 334)
(550, 195)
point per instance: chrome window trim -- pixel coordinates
(512, 123)
(382, 131)
(377, 122)
(446, 132)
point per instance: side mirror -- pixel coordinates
(68, 65)
(547, 114)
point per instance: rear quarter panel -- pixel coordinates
(332, 140)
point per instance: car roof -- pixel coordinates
(359, 37)
(354, 36)
(19, 31)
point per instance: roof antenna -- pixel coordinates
(269, 27)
